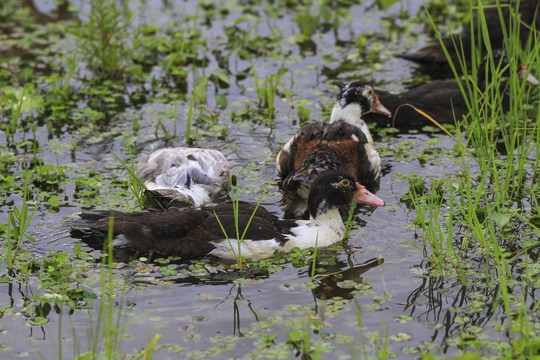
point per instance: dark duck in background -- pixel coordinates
(432, 60)
(443, 99)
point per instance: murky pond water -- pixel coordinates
(215, 315)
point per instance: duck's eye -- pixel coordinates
(369, 93)
(345, 183)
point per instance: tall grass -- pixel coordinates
(488, 124)
(267, 90)
(136, 185)
(301, 340)
(17, 224)
(17, 106)
(362, 346)
(500, 144)
(499, 168)
(240, 233)
(106, 333)
(189, 117)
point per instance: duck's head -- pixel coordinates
(499, 62)
(354, 100)
(335, 188)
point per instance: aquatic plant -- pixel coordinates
(240, 233)
(105, 42)
(477, 226)
(480, 201)
(266, 93)
(136, 185)
(106, 327)
(17, 226)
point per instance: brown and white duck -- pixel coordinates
(182, 176)
(191, 232)
(343, 143)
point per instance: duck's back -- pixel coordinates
(190, 232)
(319, 147)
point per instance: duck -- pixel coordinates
(443, 99)
(432, 59)
(345, 142)
(182, 176)
(194, 233)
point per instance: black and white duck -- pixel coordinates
(189, 232)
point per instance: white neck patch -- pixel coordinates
(351, 114)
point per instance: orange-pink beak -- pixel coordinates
(363, 196)
(379, 108)
(522, 74)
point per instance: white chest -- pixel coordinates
(326, 230)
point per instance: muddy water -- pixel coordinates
(189, 312)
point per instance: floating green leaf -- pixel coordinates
(54, 202)
(223, 77)
(221, 101)
(501, 219)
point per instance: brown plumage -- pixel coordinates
(343, 143)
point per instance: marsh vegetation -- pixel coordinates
(448, 268)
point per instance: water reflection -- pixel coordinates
(447, 306)
(329, 287)
(237, 303)
(22, 295)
